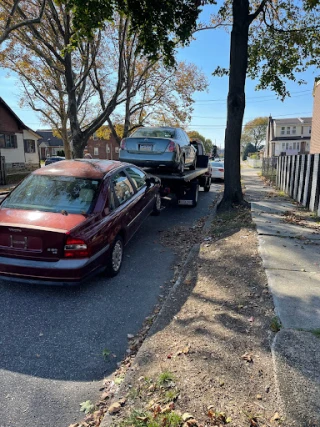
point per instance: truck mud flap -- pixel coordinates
(188, 194)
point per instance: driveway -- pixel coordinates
(52, 339)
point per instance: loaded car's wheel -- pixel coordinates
(157, 205)
(181, 165)
(116, 256)
(194, 164)
(207, 185)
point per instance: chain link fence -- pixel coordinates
(269, 168)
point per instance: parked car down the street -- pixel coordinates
(159, 147)
(71, 220)
(53, 159)
(217, 170)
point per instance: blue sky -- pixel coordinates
(210, 49)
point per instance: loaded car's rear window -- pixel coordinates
(54, 194)
(153, 133)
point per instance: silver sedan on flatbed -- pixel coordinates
(159, 146)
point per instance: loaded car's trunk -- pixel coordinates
(147, 145)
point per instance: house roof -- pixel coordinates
(48, 137)
(13, 114)
(294, 121)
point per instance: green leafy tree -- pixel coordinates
(249, 148)
(270, 40)
(254, 132)
(193, 134)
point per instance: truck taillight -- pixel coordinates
(171, 147)
(221, 170)
(76, 248)
(123, 144)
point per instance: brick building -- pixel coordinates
(103, 148)
(315, 134)
(99, 148)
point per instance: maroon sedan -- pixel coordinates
(71, 220)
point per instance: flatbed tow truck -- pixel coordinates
(185, 186)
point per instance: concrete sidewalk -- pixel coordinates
(290, 250)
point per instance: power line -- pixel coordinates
(248, 118)
(251, 97)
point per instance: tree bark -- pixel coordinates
(236, 104)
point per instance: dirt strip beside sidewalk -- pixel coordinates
(208, 353)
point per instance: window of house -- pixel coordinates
(309, 129)
(96, 151)
(54, 151)
(287, 145)
(116, 149)
(288, 130)
(294, 145)
(298, 146)
(294, 130)
(94, 136)
(8, 141)
(283, 146)
(283, 130)
(29, 146)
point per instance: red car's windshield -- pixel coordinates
(54, 194)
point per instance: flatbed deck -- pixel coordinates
(187, 176)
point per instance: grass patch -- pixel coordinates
(165, 378)
(282, 194)
(152, 419)
(316, 332)
(275, 324)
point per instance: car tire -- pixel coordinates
(194, 164)
(116, 256)
(196, 196)
(157, 205)
(206, 188)
(181, 166)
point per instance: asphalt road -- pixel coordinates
(52, 339)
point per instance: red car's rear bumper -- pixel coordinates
(63, 272)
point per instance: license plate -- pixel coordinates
(145, 147)
(185, 202)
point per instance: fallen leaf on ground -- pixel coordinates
(114, 408)
(247, 357)
(276, 417)
(186, 416)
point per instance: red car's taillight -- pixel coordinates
(171, 147)
(76, 248)
(123, 144)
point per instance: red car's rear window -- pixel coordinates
(54, 194)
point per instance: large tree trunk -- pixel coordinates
(236, 104)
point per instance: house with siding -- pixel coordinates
(315, 134)
(18, 143)
(49, 145)
(288, 136)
